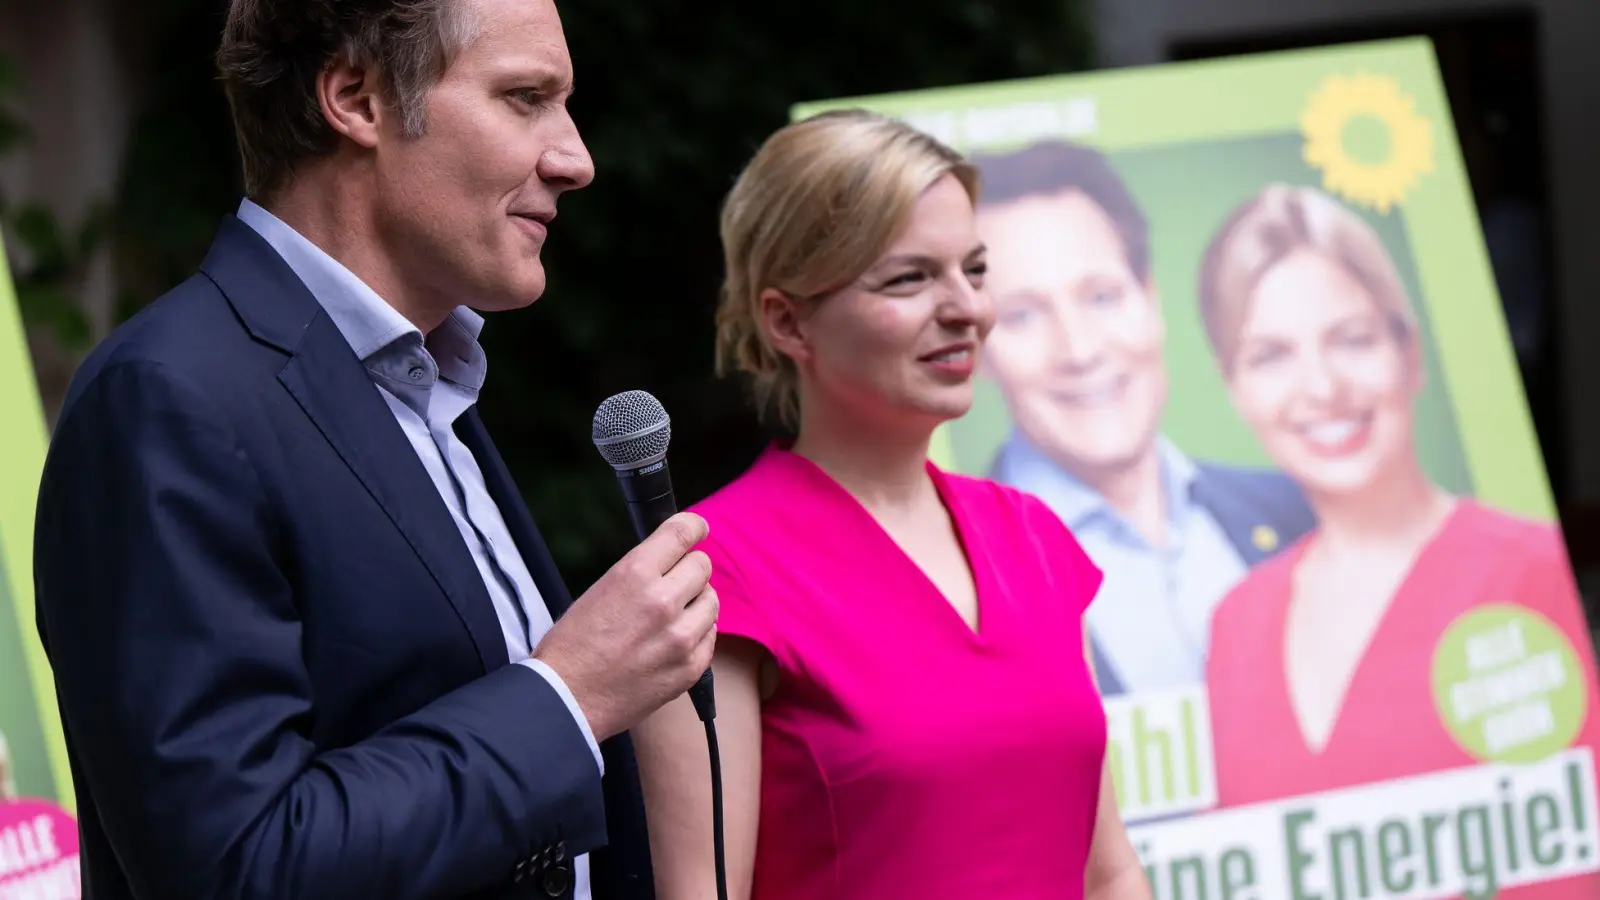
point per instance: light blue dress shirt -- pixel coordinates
(428, 383)
(1152, 619)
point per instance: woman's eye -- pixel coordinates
(1017, 316)
(1106, 295)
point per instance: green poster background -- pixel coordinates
(1241, 123)
(27, 701)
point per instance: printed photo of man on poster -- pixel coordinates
(1078, 352)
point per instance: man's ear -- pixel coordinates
(781, 322)
(352, 102)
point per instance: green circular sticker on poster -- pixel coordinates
(1507, 684)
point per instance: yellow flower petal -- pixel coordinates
(1340, 100)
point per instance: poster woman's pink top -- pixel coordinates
(1388, 726)
(903, 754)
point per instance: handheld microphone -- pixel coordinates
(631, 430)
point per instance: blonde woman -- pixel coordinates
(904, 702)
(1321, 658)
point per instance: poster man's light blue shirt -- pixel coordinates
(1152, 619)
(428, 383)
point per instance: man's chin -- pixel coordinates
(525, 296)
(515, 294)
(530, 286)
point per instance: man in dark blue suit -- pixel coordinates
(1078, 351)
(307, 640)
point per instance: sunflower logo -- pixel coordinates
(1368, 139)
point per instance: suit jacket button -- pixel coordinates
(521, 871)
(559, 854)
(557, 881)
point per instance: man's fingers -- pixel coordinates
(687, 578)
(671, 542)
(706, 650)
(702, 612)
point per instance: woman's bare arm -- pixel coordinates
(675, 773)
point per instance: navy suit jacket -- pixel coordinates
(278, 669)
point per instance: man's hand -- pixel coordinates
(642, 634)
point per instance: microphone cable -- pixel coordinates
(705, 706)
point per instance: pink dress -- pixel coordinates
(905, 755)
(1388, 725)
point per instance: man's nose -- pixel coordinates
(566, 161)
(1076, 341)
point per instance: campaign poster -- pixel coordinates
(38, 836)
(1248, 347)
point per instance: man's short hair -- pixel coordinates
(273, 50)
(1051, 167)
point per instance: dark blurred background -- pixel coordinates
(117, 158)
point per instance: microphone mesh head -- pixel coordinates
(631, 430)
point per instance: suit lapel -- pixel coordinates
(341, 399)
(1253, 539)
(541, 565)
(329, 382)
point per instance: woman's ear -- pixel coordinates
(782, 323)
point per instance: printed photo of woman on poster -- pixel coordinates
(1315, 661)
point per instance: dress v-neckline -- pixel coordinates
(982, 631)
(1381, 634)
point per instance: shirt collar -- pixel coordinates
(367, 322)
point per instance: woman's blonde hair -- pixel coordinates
(819, 203)
(1269, 227)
